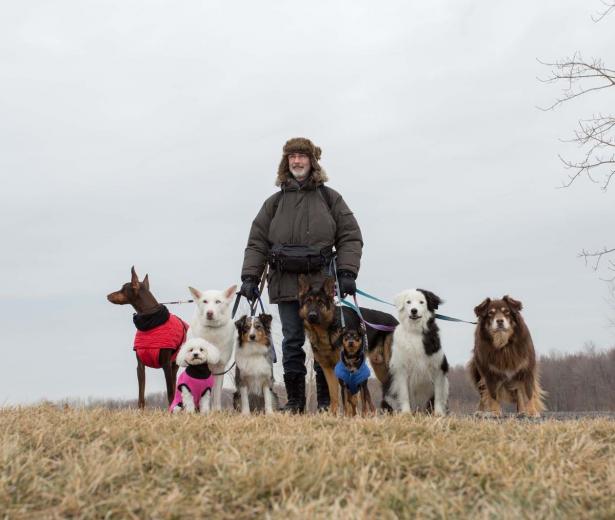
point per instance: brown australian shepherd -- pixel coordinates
(503, 365)
(321, 320)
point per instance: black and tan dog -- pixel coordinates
(322, 323)
(159, 336)
(353, 373)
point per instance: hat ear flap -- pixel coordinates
(317, 153)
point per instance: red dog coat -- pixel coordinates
(170, 334)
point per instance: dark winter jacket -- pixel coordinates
(302, 217)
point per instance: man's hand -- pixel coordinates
(249, 287)
(348, 285)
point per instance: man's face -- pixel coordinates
(299, 164)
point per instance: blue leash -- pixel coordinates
(438, 316)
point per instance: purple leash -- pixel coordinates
(355, 307)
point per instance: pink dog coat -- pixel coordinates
(195, 379)
(170, 334)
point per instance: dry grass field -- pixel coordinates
(99, 463)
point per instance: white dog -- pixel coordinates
(418, 367)
(212, 322)
(194, 384)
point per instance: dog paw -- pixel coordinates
(481, 414)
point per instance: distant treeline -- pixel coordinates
(580, 382)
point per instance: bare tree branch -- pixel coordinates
(587, 255)
(608, 7)
(595, 135)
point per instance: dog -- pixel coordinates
(254, 364)
(212, 322)
(418, 366)
(159, 335)
(321, 320)
(503, 364)
(194, 385)
(353, 373)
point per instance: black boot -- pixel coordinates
(322, 390)
(295, 392)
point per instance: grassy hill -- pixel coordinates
(95, 463)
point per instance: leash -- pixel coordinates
(222, 373)
(333, 267)
(438, 316)
(377, 326)
(254, 305)
(177, 302)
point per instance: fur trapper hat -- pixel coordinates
(301, 145)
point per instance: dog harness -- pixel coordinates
(352, 380)
(157, 331)
(197, 379)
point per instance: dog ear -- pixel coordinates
(230, 292)
(433, 300)
(515, 305)
(241, 322)
(266, 320)
(134, 279)
(195, 292)
(145, 282)
(480, 309)
(181, 356)
(399, 300)
(304, 285)
(329, 286)
(213, 354)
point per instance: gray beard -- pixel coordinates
(301, 177)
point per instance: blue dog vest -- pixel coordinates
(352, 380)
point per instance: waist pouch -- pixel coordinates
(291, 258)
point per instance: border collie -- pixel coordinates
(418, 369)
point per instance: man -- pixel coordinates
(303, 213)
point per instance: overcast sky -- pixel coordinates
(149, 133)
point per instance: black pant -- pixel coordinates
(293, 355)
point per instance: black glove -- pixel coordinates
(347, 282)
(249, 287)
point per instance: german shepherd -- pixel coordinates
(322, 323)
